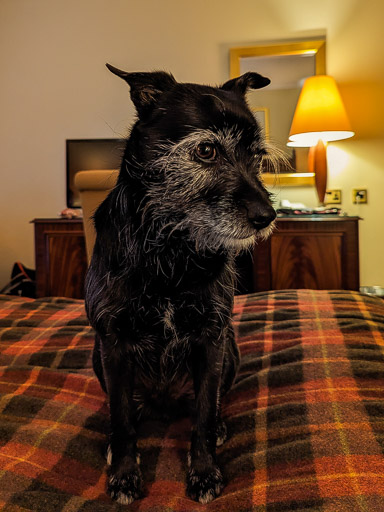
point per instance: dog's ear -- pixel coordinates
(244, 82)
(146, 88)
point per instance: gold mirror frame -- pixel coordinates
(317, 47)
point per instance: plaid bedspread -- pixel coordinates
(305, 416)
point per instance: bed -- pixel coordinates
(305, 416)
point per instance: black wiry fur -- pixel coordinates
(159, 289)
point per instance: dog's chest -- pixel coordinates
(166, 334)
(158, 311)
(162, 378)
(167, 321)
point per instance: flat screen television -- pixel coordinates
(90, 154)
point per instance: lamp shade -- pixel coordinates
(319, 114)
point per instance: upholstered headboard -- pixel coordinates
(93, 187)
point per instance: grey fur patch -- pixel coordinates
(187, 193)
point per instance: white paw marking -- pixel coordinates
(220, 440)
(207, 497)
(124, 499)
(109, 455)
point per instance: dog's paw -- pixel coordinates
(221, 433)
(126, 488)
(204, 487)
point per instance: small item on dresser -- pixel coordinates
(69, 213)
(308, 211)
(285, 204)
(287, 208)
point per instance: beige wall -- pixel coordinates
(54, 86)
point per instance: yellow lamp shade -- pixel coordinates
(319, 114)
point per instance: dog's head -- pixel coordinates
(200, 150)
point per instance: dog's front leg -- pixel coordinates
(125, 482)
(205, 481)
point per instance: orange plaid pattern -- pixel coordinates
(305, 416)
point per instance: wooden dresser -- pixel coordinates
(303, 252)
(60, 258)
(317, 252)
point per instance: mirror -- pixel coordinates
(287, 65)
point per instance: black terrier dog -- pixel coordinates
(160, 286)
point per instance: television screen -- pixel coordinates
(90, 154)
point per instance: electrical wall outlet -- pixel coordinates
(333, 196)
(359, 196)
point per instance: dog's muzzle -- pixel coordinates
(260, 216)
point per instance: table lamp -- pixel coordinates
(319, 118)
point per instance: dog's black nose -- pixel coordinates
(263, 219)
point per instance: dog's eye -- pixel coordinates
(206, 151)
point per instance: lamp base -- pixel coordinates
(317, 163)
